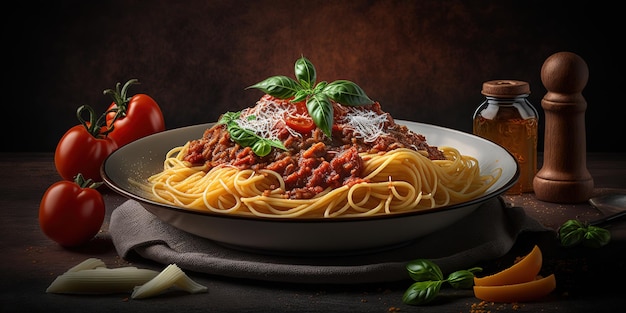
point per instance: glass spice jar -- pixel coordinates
(507, 118)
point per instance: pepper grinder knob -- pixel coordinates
(563, 177)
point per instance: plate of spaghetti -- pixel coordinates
(311, 167)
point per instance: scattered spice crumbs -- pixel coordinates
(488, 307)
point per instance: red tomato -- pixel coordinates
(71, 212)
(79, 151)
(301, 124)
(301, 121)
(132, 118)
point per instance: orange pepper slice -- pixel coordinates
(523, 271)
(524, 292)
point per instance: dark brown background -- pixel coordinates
(422, 60)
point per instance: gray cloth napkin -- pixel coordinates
(487, 233)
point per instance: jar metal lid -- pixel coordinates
(505, 88)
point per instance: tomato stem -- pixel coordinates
(121, 99)
(80, 180)
(92, 125)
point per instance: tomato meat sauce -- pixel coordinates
(312, 162)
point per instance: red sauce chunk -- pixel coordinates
(312, 161)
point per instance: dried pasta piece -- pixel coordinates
(88, 264)
(91, 277)
(171, 276)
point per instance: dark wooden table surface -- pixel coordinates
(588, 280)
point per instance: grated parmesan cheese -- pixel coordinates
(266, 119)
(263, 118)
(365, 124)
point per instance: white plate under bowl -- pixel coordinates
(144, 157)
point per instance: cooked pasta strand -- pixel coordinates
(398, 181)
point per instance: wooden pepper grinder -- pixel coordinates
(564, 177)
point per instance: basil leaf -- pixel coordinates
(596, 237)
(422, 292)
(347, 93)
(571, 233)
(305, 73)
(281, 87)
(571, 225)
(261, 148)
(318, 96)
(430, 278)
(574, 232)
(228, 117)
(463, 279)
(422, 269)
(320, 86)
(572, 238)
(276, 143)
(247, 138)
(242, 136)
(321, 111)
(301, 95)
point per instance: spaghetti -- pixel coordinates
(400, 180)
(314, 149)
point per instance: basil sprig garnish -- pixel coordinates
(247, 138)
(318, 96)
(574, 232)
(429, 279)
